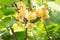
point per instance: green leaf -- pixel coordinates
(1, 25)
(8, 11)
(11, 22)
(48, 21)
(6, 21)
(57, 1)
(6, 36)
(38, 2)
(20, 35)
(50, 0)
(54, 18)
(6, 2)
(1, 15)
(34, 21)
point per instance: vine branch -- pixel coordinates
(47, 32)
(15, 37)
(26, 34)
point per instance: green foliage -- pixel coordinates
(6, 2)
(39, 32)
(20, 35)
(1, 25)
(54, 18)
(7, 10)
(38, 2)
(6, 20)
(6, 36)
(53, 30)
(50, 0)
(1, 15)
(57, 1)
(33, 21)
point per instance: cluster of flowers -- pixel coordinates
(41, 12)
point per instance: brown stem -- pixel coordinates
(15, 5)
(25, 34)
(15, 37)
(47, 32)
